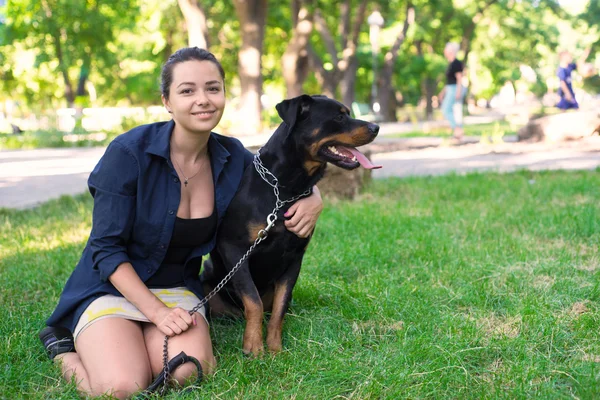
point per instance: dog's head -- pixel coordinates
(324, 130)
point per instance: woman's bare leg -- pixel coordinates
(111, 359)
(194, 342)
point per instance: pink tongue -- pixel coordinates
(364, 161)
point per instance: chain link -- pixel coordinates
(262, 235)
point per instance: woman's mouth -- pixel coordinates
(203, 114)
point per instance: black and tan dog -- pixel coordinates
(316, 130)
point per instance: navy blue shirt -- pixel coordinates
(564, 74)
(136, 194)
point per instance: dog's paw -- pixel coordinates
(253, 343)
(253, 349)
(274, 342)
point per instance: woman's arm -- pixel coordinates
(459, 76)
(303, 214)
(113, 183)
(170, 321)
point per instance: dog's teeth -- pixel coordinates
(354, 158)
(333, 149)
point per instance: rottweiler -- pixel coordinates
(315, 130)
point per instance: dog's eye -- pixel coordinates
(340, 118)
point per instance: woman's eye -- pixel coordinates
(186, 91)
(213, 89)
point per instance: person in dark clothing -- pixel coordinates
(160, 192)
(565, 69)
(453, 94)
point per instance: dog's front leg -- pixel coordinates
(253, 311)
(281, 300)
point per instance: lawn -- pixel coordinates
(483, 286)
(488, 131)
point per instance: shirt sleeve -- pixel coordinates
(113, 184)
(562, 74)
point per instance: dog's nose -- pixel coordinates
(373, 128)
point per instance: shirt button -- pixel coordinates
(176, 180)
(149, 270)
(171, 212)
(162, 246)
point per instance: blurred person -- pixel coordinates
(453, 94)
(565, 69)
(160, 192)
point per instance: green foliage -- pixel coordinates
(118, 46)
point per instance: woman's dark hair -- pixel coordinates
(182, 55)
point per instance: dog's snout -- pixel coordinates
(373, 128)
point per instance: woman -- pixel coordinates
(453, 94)
(160, 192)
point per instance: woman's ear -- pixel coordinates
(166, 103)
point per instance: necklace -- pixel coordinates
(186, 179)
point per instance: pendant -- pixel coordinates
(185, 183)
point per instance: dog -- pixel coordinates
(316, 130)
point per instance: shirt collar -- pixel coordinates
(161, 145)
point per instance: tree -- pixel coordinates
(386, 92)
(339, 67)
(195, 19)
(70, 34)
(252, 16)
(295, 61)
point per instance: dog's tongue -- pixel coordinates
(364, 161)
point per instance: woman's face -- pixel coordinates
(449, 54)
(197, 96)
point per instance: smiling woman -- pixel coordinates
(160, 193)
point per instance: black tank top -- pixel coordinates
(187, 235)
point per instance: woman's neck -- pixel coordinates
(190, 148)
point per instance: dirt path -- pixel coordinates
(30, 177)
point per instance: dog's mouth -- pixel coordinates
(346, 157)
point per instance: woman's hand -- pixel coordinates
(304, 213)
(173, 321)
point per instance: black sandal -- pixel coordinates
(57, 340)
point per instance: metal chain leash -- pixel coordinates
(262, 235)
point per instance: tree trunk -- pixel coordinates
(347, 84)
(386, 92)
(64, 69)
(344, 69)
(195, 20)
(348, 65)
(295, 59)
(84, 73)
(252, 15)
(429, 90)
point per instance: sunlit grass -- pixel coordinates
(457, 287)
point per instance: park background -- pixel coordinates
(476, 286)
(74, 66)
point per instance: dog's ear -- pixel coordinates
(293, 110)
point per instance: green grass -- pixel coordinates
(491, 130)
(482, 286)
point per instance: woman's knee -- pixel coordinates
(122, 386)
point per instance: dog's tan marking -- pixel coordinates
(276, 322)
(311, 166)
(253, 340)
(315, 132)
(253, 229)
